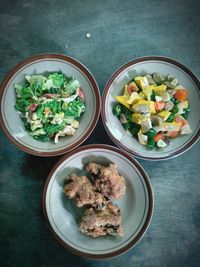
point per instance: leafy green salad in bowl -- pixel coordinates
(50, 105)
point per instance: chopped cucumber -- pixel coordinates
(116, 109)
(161, 143)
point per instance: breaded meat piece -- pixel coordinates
(107, 180)
(99, 223)
(81, 189)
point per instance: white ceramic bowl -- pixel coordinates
(142, 66)
(11, 122)
(63, 216)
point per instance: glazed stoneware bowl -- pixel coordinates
(63, 216)
(11, 122)
(142, 66)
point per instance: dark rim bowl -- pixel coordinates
(82, 69)
(123, 68)
(146, 223)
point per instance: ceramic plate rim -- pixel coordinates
(176, 153)
(146, 224)
(67, 59)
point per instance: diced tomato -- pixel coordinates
(81, 94)
(181, 95)
(159, 105)
(159, 136)
(180, 120)
(132, 88)
(172, 134)
(32, 107)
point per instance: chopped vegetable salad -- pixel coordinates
(153, 108)
(50, 106)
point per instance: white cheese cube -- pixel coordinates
(180, 108)
(158, 98)
(161, 143)
(146, 125)
(142, 138)
(186, 129)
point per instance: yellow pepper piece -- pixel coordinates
(122, 99)
(160, 89)
(141, 106)
(171, 126)
(144, 106)
(142, 82)
(147, 91)
(126, 90)
(164, 114)
(141, 95)
(152, 107)
(136, 117)
(134, 98)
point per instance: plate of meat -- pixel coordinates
(98, 201)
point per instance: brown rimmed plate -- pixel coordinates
(63, 216)
(142, 66)
(11, 122)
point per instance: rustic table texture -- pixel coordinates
(119, 31)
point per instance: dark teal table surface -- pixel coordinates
(120, 31)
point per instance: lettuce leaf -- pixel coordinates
(36, 79)
(37, 84)
(53, 105)
(23, 91)
(53, 128)
(70, 86)
(38, 132)
(21, 104)
(75, 108)
(42, 138)
(57, 79)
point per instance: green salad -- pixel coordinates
(50, 105)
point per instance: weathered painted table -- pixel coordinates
(119, 31)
